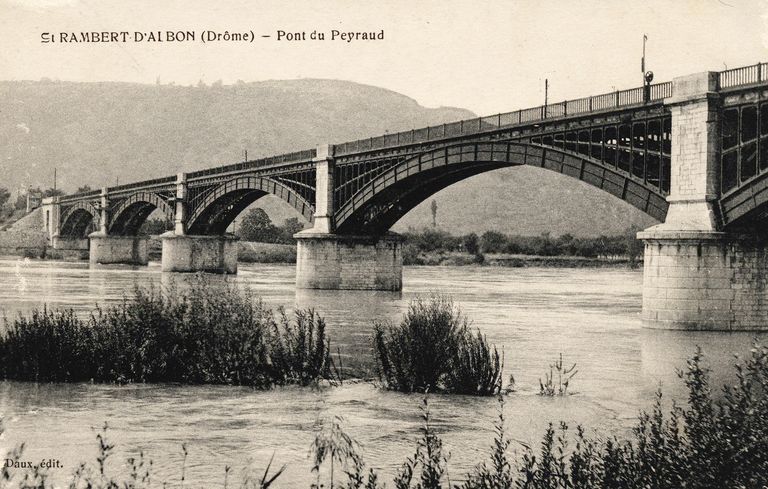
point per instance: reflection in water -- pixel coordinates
(350, 318)
(591, 315)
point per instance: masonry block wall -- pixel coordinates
(214, 254)
(131, 250)
(711, 283)
(349, 262)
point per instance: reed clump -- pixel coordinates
(434, 348)
(201, 334)
(557, 380)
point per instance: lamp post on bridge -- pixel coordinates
(647, 75)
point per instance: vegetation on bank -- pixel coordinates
(714, 441)
(200, 334)
(432, 245)
(253, 252)
(434, 348)
(257, 226)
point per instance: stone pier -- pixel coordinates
(69, 243)
(326, 260)
(212, 254)
(696, 275)
(705, 281)
(337, 262)
(129, 250)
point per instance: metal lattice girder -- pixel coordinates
(127, 215)
(76, 218)
(212, 211)
(394, 192)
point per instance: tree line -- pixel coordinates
(436, 240)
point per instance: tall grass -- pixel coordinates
(434, 347)
(711, 442)
(203, 334)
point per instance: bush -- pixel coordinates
(300, 352)
(200, 335)
(433, 347)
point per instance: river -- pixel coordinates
(590, 315)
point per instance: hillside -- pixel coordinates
(97, 133)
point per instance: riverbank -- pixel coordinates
(276, 253)
(517, 260)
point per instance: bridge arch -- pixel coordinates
(389, 196)
(132, 212)
(76, 219)
(216, 209)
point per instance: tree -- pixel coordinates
(84, 188)
(434, 212)
(155, 226)
(471, 244)
(5, 195)
(21, 202)
(291, 226)
(635, 247)
(493, 242)
(257, 226)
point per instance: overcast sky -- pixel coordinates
(485, 56)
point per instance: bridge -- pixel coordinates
(692, 153)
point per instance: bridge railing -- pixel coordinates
(586, 105)
(745, 75)
(295, 157)
(80, 196)
(145, 183)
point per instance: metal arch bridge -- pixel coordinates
(620, 142)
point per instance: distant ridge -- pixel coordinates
(97, 133)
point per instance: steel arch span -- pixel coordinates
(76, 219)
(212, 212)
(132, 212)
(390, 195)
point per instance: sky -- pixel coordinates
(486, 56)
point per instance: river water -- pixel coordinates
(533, 314)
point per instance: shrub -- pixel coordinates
(300, 351)
(220, 335)
(433, 348)
(475, 368)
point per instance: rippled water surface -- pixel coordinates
(590, 315)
